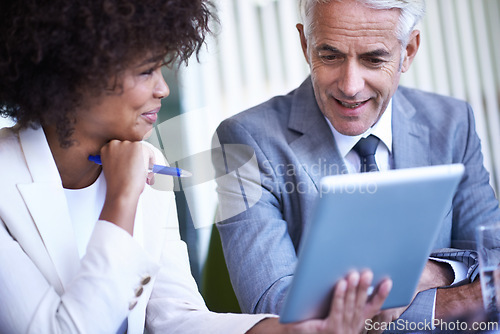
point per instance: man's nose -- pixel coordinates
(351, 81)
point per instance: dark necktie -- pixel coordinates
(366, 148)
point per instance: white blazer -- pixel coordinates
(46, 288)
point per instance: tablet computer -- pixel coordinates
(385, 221)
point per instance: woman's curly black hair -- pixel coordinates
(53, 53)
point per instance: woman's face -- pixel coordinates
(127, 112)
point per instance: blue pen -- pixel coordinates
(158, 169)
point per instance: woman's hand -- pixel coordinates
(125, 166)
(350, 307)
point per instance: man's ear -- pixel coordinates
(411, 50)
(303, 40)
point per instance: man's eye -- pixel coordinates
(374, 61)
(329, 58)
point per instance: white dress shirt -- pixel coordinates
(382, 130)
(85, 206)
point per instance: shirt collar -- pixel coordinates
(382, 129)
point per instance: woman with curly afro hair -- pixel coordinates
(93, 248)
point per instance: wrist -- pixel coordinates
(436, 274)
(452, 302)
(120, 210)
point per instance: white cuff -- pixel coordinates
(459, 268)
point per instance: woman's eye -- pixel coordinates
(148, 72)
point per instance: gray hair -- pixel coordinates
(412, 12)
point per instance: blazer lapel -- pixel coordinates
(319, 155)
(46, 202)
(411, 143)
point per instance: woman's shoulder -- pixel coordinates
(10, 148)
(12, 164)
(9, 135)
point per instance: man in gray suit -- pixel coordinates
(356, 51)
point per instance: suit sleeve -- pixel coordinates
(110, 273)
(257, 246)
(475, 202)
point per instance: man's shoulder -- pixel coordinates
(435, 110)
(275, 114)
(271, 115)
(425, 98)
(277, 107)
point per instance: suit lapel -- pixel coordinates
(46, 202)
(318, 155)
(411, 143)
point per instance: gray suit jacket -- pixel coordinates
(265, 205)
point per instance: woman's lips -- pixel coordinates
(151, 116)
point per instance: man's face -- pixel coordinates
(355, 61)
